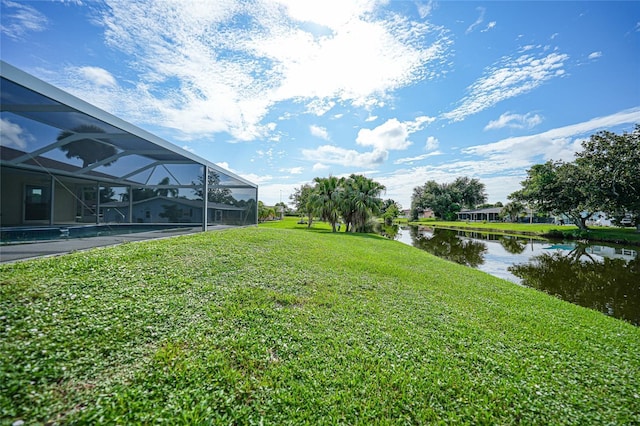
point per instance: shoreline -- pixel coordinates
(553, 233)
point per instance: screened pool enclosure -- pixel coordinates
(64, 162)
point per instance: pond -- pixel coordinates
(598, 276)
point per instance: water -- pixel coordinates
(598, 276)
(32, 234)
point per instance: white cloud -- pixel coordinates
(502, 165)
(390, 135)
(200, 68)
(424, 9)
(516, 121)
(258, 179)
(338, 66)
(330, 154)
(333, 14)
(595, 55)
(19, 19)
(411, 160)
(293, 170)
(432, 143)
(509, 78)
(320, 166)
(97, 76)
(225, 166)
(272, 193)
(319, 132)
(393, 134)
(491, 25)
(268, 153)
(558, 144)
(371, 118)
(478, 21)
(14, 134)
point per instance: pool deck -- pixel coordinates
(25, 251)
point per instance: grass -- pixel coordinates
(277, 325)
(594, 233)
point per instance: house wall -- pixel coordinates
(115, 214)
(12, 201)
(149, 212)
(11, 196)
(64, 204)
(13, 184)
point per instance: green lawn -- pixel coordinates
(292, 326)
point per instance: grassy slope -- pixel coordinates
(298, 327)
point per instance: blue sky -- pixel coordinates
(402, 91)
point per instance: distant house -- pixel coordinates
(491, 214)
(427, 214)
(161, 209)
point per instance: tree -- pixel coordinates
(166, 192)
(512, 210)
(265, 212)
(90, 150)
(468, 192)
(558, 188)
(612, 162)
(172, 212)
(390, 211)
(447, 199)
(417, 202)
(139, 194)
(425, 197)
(107, 194)
(215, 194)
(281, 209)
(359, 200)
(301, 199)
(325, 199)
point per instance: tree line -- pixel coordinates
(447, 199)
(352, 200)
(605, 177)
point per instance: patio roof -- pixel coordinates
(45, 128)
(490, 210)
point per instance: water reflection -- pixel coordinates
(389, 231)
(512, 244)
(446, 244)
(609, 285)
(92, 149)
(601, 277)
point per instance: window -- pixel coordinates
(36, 203)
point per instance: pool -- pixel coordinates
(17, 235)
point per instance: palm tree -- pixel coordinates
(512, 210)
(166, 192)
(325, 199)
(361, 200)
